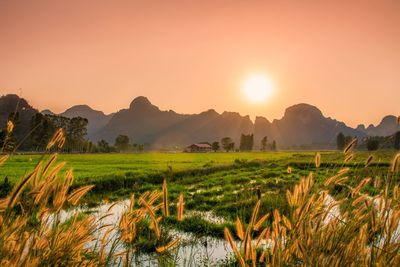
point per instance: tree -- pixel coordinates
(246, 142)
(215, 146)
(137, 147)
(397, 140)
(103, 146)
(41, 130)
(227, 144)
(76, 131)
(122, 143)
(340, 141)
(273, 146)
(264, 143)
(372, 144)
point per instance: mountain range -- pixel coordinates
(302, 125)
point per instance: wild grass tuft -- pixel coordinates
(318, 232)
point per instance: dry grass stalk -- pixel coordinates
(360, 186)
(349, 158)
(3, 159)
(317, 159)
(168, 247)
(165, 198)
(369, 160)
(181, 204)
(396, 163)
(239, 229)
(365, 234)
(77, 194)
(231, 242)
(350, 146)
(10, 127)
(18, 190)
(258, 224)
(255, 213)
(57, 139)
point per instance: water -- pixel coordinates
(192, 251)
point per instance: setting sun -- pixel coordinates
(257, 88)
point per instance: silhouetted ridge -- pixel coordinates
(97, 119)
(302, 125)
(387, 126)
(13, 104)
(80, 108)
(142, 103)
(303, 111)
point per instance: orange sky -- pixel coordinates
(342, 56)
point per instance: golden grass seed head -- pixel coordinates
(369, 160)
(317, 159)
(396, 163)
(10, 127)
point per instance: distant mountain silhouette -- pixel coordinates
(302, 126)
(206, 126)
(97, 119)
(386, 127)
(47, 112)
(144, 122)
(13, 104)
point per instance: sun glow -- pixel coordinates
(257, 88)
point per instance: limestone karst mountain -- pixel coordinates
(20, 112)
(144, 122)
(302, 125)
(97, 119)
(387, 126)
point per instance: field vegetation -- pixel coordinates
(273, 208)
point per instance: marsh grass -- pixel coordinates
(317, 232)
(33, 231)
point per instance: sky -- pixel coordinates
(342, 56)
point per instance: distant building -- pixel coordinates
(199, 148)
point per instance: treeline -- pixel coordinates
(41, 129)
(43, 126)
(370, 143)
(246, 144)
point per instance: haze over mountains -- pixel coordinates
(302, 126)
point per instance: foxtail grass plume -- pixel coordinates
(10, 127)
(289, 169)
(3, 159)
(168, 247)
(57, 139)
(369, 160)
(77, 194)
(395, 163)
(317, 159)
(236, 251)
(360, 186)
(239, 229)
(255, 213)
(350, 146)
(349, 158)
(181, 204)
(165, 198)
(258, 224)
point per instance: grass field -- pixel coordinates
(102, 165)
(225, 183)
(218, 189)
(88, 166)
